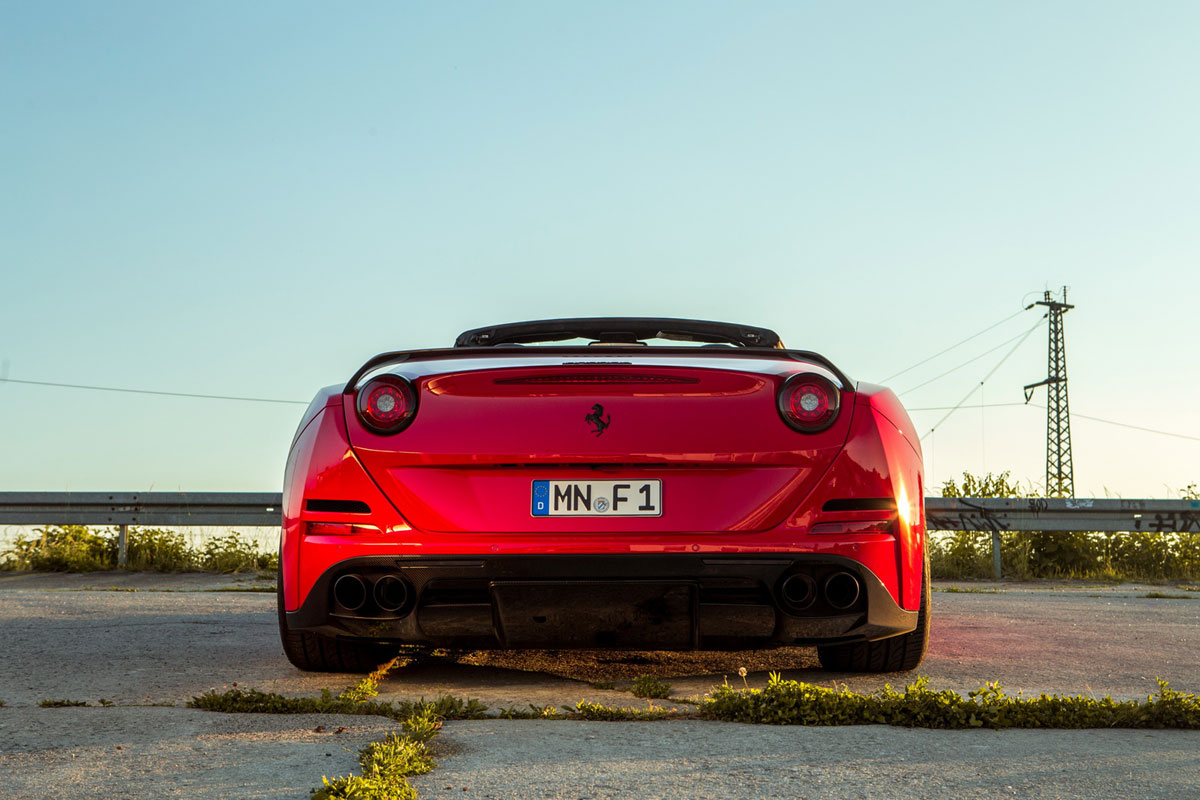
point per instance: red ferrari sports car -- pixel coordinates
(625, 483)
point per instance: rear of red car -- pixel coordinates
(615, 496)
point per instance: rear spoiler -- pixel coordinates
(399, 356)
(624, 330)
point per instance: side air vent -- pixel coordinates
(338, 506)
(860, 504)
(595, 378)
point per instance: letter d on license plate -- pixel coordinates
(620, 498)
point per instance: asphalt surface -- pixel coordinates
(691, 759)
(73, 637)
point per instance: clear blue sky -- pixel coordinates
(253, 198)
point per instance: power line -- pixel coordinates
(971, 361)
(951, 347)
(1135, 427)
(976, 388)
(1073, 414)
(980, 405)
(153, 392)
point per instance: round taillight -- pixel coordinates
(387, 404)
(809, 402)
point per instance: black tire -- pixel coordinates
(895, 654)
(313, 652)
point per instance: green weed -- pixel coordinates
(792, 703)
(534, 712)
(966, 590)
(265, 589)
(368, 687)
(232, 553)
(78, 548)
(252, 701)
(61, 703)
(386, 765)
(648, 686)
(602, 713)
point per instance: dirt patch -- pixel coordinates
(605, 665)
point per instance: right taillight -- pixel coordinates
(809, 402)
(387, 404)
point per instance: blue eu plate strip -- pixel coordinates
(541, 498)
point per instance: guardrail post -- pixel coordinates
(995, 555)
(122, 546)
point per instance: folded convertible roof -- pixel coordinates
(624, 334)
(627, 330)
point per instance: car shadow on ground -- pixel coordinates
(557, 676)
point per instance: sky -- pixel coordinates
(251, 199)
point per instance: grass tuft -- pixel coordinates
(61, 703)
(534, 712)
(368, 688)
(270, 589)
(648, 686)
(252, 701)
(601, 713)
(386, 765)
(792, 703)
(966, 590)
(1163, 596)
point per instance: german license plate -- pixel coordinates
(620, 498)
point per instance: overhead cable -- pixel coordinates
(970, 361)
(951, 347)
(154, 392)
(1073, 415)
(979, 385)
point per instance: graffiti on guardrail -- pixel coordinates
(1171, 522)
(974, 518)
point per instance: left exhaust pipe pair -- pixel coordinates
(389, 592)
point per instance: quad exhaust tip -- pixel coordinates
(350, 592)
(391, 593)
(842, 590)
(799, 591)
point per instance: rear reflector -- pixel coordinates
(338, 529)
(857, 526)
(860, 504)
(338, 506)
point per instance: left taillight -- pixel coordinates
(387, 404)
(809, 402)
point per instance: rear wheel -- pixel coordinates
(896, 654)
(316, 653)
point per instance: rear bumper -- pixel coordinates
(659, 602)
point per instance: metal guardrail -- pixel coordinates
(993, 514)
(1060, 514)
(123, 509)
(140, 508)
(1000, 514)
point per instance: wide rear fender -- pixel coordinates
(877, 462)
(322, 466)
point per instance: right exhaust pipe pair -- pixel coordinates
(840, 590)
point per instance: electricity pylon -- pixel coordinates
(1060, 472)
